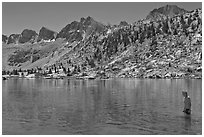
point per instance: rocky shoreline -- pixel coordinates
(132, 74)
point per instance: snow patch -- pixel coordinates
(46, 40)
(109, 31)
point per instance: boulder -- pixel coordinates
(199, 69)
(173, 74)
(178, 54)
(167, 75)
(180, 74)
(150, 65)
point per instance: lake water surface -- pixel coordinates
(117, 106)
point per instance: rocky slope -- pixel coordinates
(77, 31)
(163, 12)
(163, 48)
(46, 35)
(30, 36)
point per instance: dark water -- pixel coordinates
(122, 106)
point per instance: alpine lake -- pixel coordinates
(107, 107)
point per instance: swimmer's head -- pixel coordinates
(185, 94)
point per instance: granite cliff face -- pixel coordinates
(46, 35)
(163, 48)
(27, 36)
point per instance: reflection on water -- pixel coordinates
(122, 106)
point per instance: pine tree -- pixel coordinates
(165, 27)
(182, 20)
(175, 32)
(50, 71)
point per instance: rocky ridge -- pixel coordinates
(77, 31)
(166, 48)
(164, 12)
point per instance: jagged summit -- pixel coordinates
(46, 34)
(162, 12)
(89, 18)
(78, 30)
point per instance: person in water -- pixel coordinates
(187, 103)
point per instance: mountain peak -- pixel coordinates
(123, 23)
(46, 34)
(45, 28)
(167, 10)
(77, 30)
(89, 18)
(13, 38)
(82, 19)
(27, 35)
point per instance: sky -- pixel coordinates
(17, 16)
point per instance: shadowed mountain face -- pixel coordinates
(14, 38)
(78, 30)
(46, 34)
(27, 36)
(162, 12)
(4, 38)
(123, 23)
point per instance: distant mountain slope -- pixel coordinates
(79, 30)
(46, 34)
(163, 12)
(13, 38)
(27, 36)
(170, 47)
